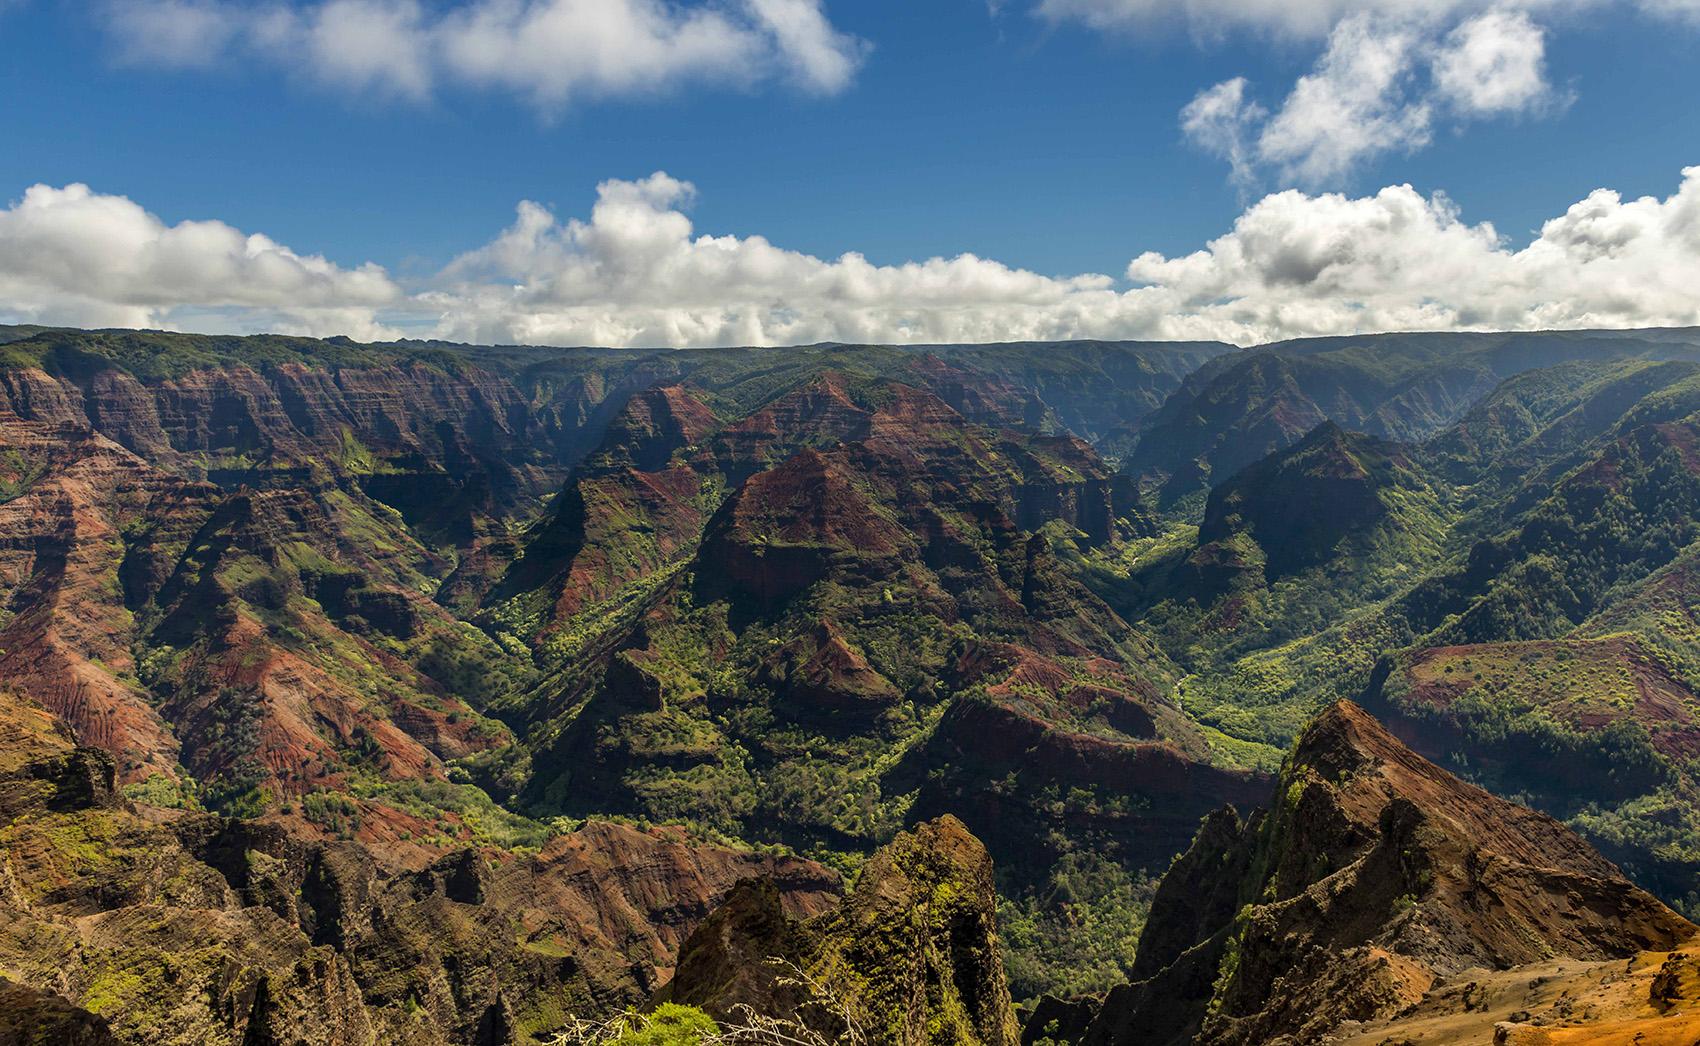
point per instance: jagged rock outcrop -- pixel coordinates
(146, 925)
(912, 954)
(1374, 876)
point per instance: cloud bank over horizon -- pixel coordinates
(635, 272)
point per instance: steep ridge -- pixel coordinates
(844, 574)
(1408, 387)
(254, 648)
(1602, 732)
(1290, 543)
(910, 956)
(70, 497)
(1374, 878)
(868, 604)
(160, 926)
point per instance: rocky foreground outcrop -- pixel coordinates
(1375, 879)
(911, 956)
(129, 924)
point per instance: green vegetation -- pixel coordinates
(1078, 932)
(160, 790)
(670, 1025)
(772, 654)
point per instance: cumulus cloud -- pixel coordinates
(1300, 264)
(1378, 88)
(1294, 264)
(1494, 63)
(636, 272)
(75, 256)
(551, 52)
(1222, 120)
(1354, 105)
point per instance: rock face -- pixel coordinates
(1374, 876)
(124, 924)
(912, 953)
(66, 635)
(239, 637)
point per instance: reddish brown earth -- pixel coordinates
(1653, 999)
(1637, 686)
(103, 551)
(982, 399)
(65, 632)
(235, 423)
(1375, 877)
(186, 927)
(823, 673)
(819, 413)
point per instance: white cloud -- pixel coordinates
(1221, 120)
(75, 256)
(1294, 264)
(551, 52)
(1356, 104)
(1494, 63)
(1305, 18)
(636, 272)
(1379, 88)
(1298, 264)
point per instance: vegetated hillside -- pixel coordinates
(128, 923)
(1408, 387)
(809, 625)
(1287, 546)
(1562, 511)
(409, 601)
(1373, 879)
(306, 582)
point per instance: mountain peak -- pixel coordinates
(1374, 875)
(1299, 504)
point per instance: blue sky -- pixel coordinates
(1050, 141)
